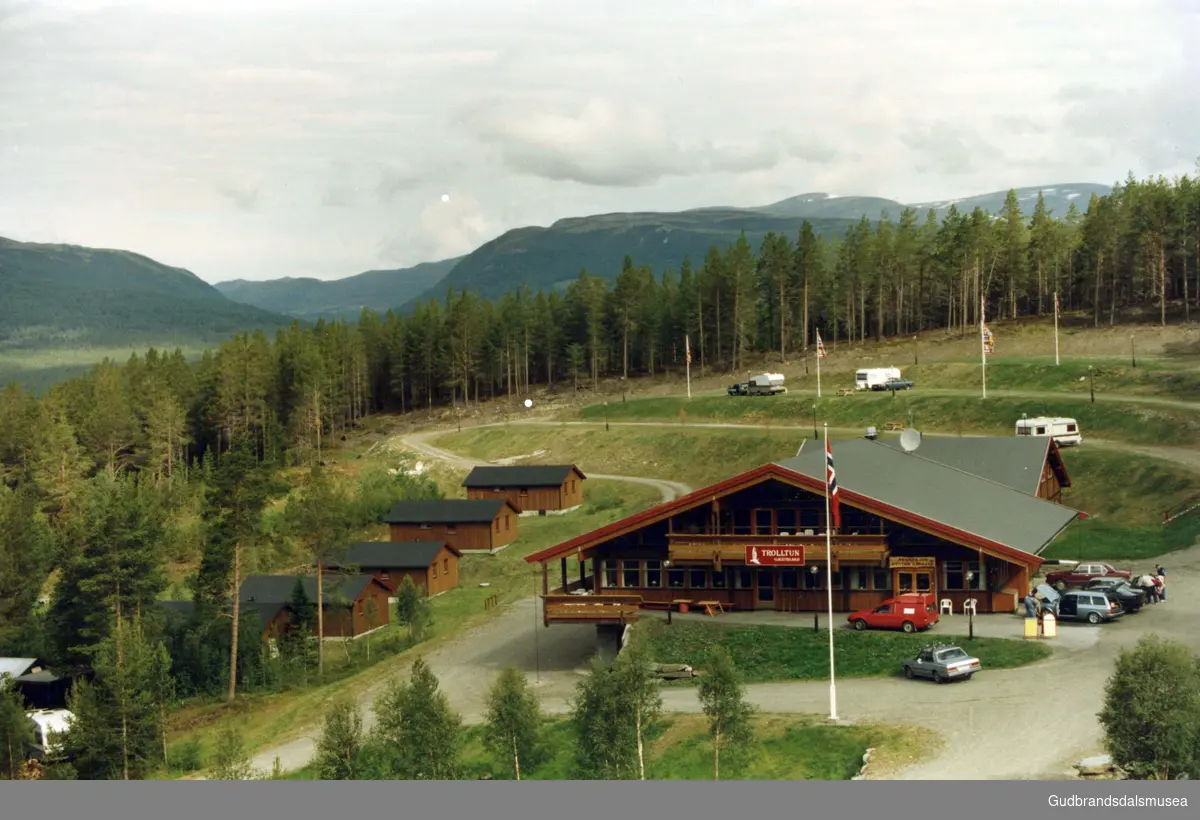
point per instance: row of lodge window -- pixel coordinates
(954, 576)
(792, 520)
(651, 574)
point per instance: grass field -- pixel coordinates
(268, 718)
(37, 369)
(782, 653)
(787, 748)
(1109, 421)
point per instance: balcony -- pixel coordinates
(591, 609)
(732, 547)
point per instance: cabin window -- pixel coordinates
(423, 526)
(789, 579)
(610, 575)
(744, 579)
(497, 525)
(506, 517)
(445, 566)
(384, 576)
(698, 579)
(675, 578)
(786, 521)
(631, 574)
(718, 579)
(433, 569)
(524, 493)
(451, 529)
(654, 574)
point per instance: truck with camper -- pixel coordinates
(1065, 432)
(874, 378)
(764, 384)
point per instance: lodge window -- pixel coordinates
(742, 522)
(676, 578)
(816, 580)
(882, 578)
(810, 518)
(868, 578)
(744, 579)
(786, 520)
(955, 576)
(762, 522)
(698, 579)
(654, 574)
(631, 574)
(789, 579)
(718, 579)
(610, 575)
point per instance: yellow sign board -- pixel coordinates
(1031, 627)
(903, 562)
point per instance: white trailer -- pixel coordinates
(1065, 432)
(867, 379)
(767, 384)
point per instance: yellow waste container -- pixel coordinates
(1031, 627)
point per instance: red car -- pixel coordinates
(1083, 574)
(910, 612)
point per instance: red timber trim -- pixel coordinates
(769, 471)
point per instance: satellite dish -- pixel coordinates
(910, 439)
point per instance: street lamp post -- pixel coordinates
(970, 611)
(667, 566)
(1092, 382)
(915, 360)
(813, 570)
(605, 415)
(1132, 352)
(815, 423)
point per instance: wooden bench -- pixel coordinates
(711, 608)
(845, 391)
(659, 605)
(893, 426)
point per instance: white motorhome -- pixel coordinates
(50, 724)
(868, 378)
(767, 384)
(1065, 432)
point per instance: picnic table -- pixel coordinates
(845, 391)
(712, 607)
(893, 426)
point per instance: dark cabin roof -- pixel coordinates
(1014, 461)
(938, 493)
(541, 475)
(263, 612)
(395, 554)
(446, 511)
(277, 589)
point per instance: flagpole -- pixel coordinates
(982, 347)
(1056, 328)
(829, 587)
(818, 354)
(687, 346)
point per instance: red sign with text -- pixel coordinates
(775, 556)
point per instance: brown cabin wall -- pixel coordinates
(361, 620)
(533, 499)
(447, 572)
(1049, 488)
(461, 536)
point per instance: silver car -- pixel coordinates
(1088, 605)
(942, 663)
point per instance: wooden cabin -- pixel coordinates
(471, 525)
(353, 604)
(432, 565)
(535, 490)
(908, 524)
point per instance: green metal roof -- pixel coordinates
(541, 475)
(393, 554)
(1014, 461)
(445, 511)
(938, 493)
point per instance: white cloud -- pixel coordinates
(328, 135)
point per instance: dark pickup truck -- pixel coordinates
(894, 384)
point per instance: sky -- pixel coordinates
(258, 139)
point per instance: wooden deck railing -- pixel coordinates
(593, 609)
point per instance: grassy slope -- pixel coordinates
(680, 748)
(266, 719)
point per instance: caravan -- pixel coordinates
(1065, 432)
(875, 377)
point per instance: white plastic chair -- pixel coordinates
(970, 605)
(947, 607)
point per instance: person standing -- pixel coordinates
(1031, 605)
(1162, 581)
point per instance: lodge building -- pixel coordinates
(959, 518)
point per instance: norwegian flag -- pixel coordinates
(831, 486)
(687, 343)
(989, 342)
(820, 346)
(1057, 308)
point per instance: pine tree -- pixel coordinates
(723, 700)
(16, 731)
(513, 723)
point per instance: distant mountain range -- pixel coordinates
(311, 299)
(66, 296)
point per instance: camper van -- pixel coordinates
(1065, 432)
(875, 377)
(767, 384)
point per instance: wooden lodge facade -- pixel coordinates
(909, 523)
(535, 490)
(477, 525)
(432, 565)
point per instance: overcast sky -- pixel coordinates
(264, 138)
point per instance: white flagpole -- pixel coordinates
(829, 583)
(1056, 328)
(687, 346)
(982, 347)
(818, 365)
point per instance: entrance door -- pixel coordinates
(914, 581)
(766, 588)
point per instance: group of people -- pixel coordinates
(1154, 585)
